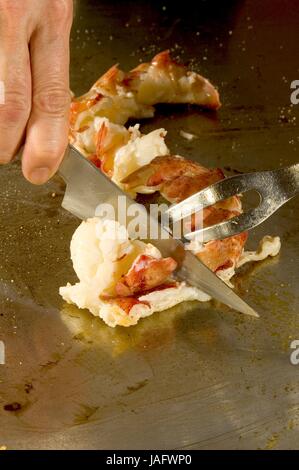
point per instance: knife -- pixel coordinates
(87, 187)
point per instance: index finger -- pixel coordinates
(47, 130)
(15, 79)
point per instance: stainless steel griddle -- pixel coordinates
(198, 376)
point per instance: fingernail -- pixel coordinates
(39, 175)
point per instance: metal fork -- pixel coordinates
(275, 188)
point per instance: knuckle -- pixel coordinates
(10, 6)
(53, 101)
(61, 10)
(10, 10)
(15, 109)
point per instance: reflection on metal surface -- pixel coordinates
(201, 378)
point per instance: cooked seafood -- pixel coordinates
(164, 81)
(177, 178)
(123, 280)
(119, 277)
(119, 96)
(105, 261)
(145, 274)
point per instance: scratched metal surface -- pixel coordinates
(198, 376)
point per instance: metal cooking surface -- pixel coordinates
(198, 376)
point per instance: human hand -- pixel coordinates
(34, 70)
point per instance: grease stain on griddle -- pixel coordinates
(137, 386)
(82, 338)
(56, 358)
(16, 407)
(233, 170)
(87, 412)
(28, 387)
(50, 364)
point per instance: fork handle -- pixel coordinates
(289, 179)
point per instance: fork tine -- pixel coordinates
(234, 226)
(216, 192)
(222, 230)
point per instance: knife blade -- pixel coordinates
(87, 187)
